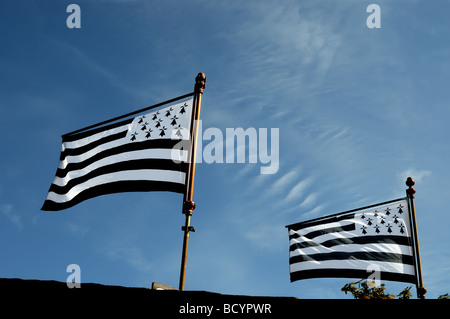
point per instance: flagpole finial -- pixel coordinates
(410, 183)
(200, 82)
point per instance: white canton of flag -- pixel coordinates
(346, 245)
(138, 154)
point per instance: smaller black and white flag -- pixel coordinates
(347, 245)
(144, 153)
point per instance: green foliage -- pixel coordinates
(362, 290)
(405, 294)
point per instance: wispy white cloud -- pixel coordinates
(77, 229)
(315, 211)
(269, 235)
(97, 68)
(417, 174)
(131, 255)
(298, 191)
(284, 51)
(284, 181)
(289, 35)
(309, 200)
(8, 212)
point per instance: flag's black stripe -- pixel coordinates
(316, 233)
(79, 136)
(302, 225)
(92, 145)
(152, 163)
(361, 240)
(349, 273)
(129, 147)
(372, 256)
(115, 187)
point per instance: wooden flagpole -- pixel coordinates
(421, 291)
(188, 203)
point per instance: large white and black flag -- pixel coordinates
(349, 244)
(140, 153)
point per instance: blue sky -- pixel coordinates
(358, 111)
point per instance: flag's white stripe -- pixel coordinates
(323, 238)
(383, 248)
(353, 265)
(146, 175)
(92, 138)
(82, 157)
(341, 235)
(307, 230)
(103, 147)
(168, 154)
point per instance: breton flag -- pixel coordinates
(144, 153)
(350, 244)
